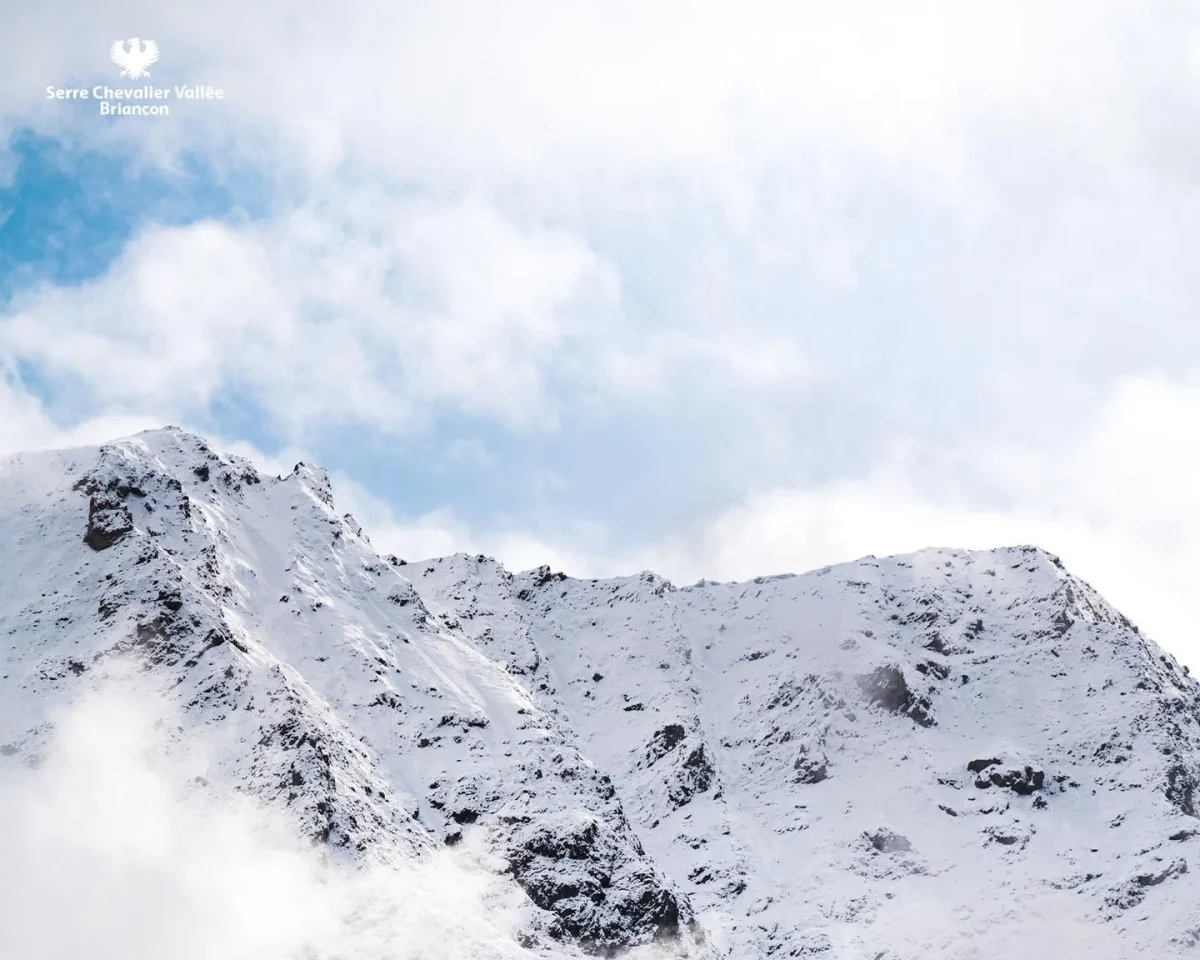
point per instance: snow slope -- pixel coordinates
(934, 754)
(947, 754)
(270, 619)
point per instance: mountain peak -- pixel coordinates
(316, 480)
(793, 765)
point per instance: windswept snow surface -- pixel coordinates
(948, 754)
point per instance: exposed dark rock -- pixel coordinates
(811, 769)
(569, 874)
(888, 841)
(932, 668)
(543, 575)
(1062, 623)
(886, 687)
(1134, 892)
(108, 521)
(663, 742)
(696, 775)
(1022, 781)
(938, 645)
(788, 693)
(1181, 789)
(404, 594)
(170, 599)
(977, 766)
(162, 639)
(1154, 879)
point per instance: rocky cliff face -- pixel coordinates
(975, 734)
(948, 753)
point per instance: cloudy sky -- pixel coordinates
(717, 289)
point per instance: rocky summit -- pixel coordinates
(947, 754)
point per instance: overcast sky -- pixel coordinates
(717, 289)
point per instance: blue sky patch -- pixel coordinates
(69, 210)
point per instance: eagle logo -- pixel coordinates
(134, 61)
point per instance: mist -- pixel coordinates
(114, 849)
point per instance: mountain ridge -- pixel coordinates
(780, 767)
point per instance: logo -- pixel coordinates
(133, 62)
(143, 99)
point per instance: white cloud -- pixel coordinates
(373, 313)
(718, 360)
(469, 89)
(380, 310)
(759, 144)
(25, 425)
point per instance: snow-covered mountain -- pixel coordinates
(959, 754)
